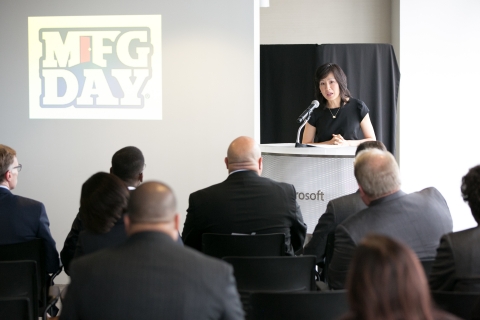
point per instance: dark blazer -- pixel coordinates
(417, 219)
(457, 264)
(245, 203)
(89, 242)
(23, 219)
(151, 277)
(337, 211)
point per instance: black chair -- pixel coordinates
(280, 274)
(261, 245)
(460, 304)
(33, 250)
(427, 266)
(15, 308)
(18, 280)
(299, 305)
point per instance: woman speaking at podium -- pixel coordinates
(339, 118)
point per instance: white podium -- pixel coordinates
(319, 174)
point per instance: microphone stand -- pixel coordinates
(298, 144)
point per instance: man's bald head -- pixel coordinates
(244, 153)
(377, 173)
(152, 203)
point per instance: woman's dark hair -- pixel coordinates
(103, 200)
(322, 72)
(386, 281)
(471, 191)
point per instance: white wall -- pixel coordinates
(321, 21)
(209, 98)
(439, 43)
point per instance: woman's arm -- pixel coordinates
(309, 133)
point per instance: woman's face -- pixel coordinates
(329, 87)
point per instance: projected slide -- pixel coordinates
(95, 67)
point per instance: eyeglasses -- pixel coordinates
(19, 168)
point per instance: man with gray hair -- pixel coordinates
(339, 209)
(417, 219)
(151, 276)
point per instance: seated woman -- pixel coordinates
(103, 202)
(457, 264)
(339, 118)
(387, 281)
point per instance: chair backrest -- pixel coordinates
(18, 279)
(261, 245)
(299, 305)
(15, 308)
(30, 250)
(274, 273)
(460, 304)
(427, 266)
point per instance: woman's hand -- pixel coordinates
(338, 140)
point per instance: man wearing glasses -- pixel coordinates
(22, 219)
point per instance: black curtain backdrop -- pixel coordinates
(287, 87)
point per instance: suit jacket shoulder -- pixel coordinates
(457, 263)
(417, 219)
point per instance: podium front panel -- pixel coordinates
(318, 178)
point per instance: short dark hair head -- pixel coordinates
(7, 157)
(386, 281)
(322, 72)
(103, 200)
(370, 145)
(128, 163)
(471, 191)
(153, 202)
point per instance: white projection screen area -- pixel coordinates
(95, 67)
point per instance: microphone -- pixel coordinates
(307, 112)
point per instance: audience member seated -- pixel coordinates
(337, 210)
(245, 202)
(150, 276)
(457, 264)
(417, 219)
(127, 164)
(22, 219)
(386, 281)
(103, 202)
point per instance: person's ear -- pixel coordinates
(140, 177)
(127, 222)
(176, 221)
(226, 162)
(363, 196)
(111, 170)
(260, 164)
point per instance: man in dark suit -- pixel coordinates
(337, 211)
(151, 276)
(417, 219)
(245, 203)
(128, 164)
(22, 219)
(457, 264)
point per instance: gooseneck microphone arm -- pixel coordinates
(305, 116)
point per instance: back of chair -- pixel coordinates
(460, 304)
(31, 250)
(15, 308)
(261, 245)
(427, 266)
(299, 305)
(18, 279)
(274, 273)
